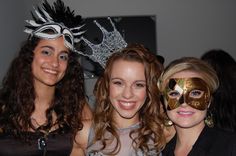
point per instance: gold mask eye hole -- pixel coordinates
(196, 93)
(173, 94)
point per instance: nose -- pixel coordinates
(55, 61)
(181, 100)
(184, 105)
(127, 92)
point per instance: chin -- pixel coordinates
(186, 125)
(127, 116)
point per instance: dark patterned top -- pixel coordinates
(211, 142)
(58, 143)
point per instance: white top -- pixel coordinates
(125, 140)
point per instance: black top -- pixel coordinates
(57, 144)
(211, 142)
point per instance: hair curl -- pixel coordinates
(17, 95)
(150, 117)
(189, 64)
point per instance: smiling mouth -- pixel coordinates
(127, 105)
(185, 112)
(50, 71)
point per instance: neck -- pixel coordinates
(44, 95)
(188, 136)
(43, 100)
(123, 122)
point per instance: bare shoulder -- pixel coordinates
(82, 135)
(81, 139)
(87, 113)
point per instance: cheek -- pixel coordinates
(113, 94)
(63, 66)
(171, 115)
(142, 94)
(204, 113)
(36, 60)
(39, 61)
(114, 91)
(35, 64)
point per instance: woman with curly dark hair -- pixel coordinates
(42, 95)
(127, 119)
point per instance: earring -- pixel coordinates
(167, 122)
(209, 119)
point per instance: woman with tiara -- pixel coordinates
(127, 118)
(42, 96)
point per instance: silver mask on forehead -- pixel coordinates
(43, 26)
(53, 31)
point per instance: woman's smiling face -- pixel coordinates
(127, 88)
(184, 113)
(50, 61)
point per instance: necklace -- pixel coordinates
(42, 141)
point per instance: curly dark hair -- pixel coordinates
(17, 95)
(151, 118)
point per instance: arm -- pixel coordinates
(81, 140)
(87, 112)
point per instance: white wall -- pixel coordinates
(184, 27)
(12, 16)
(10, 32)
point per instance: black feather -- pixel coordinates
(59, 13)
(62, 14)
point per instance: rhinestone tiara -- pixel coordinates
(111, 42)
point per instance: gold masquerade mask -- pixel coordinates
(192, 91)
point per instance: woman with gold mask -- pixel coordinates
(187, 85)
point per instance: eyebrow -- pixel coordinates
(50, 47)
(114, 78)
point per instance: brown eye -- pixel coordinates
(64, 56)
(46, 52)
(139, 85)
(118, 83)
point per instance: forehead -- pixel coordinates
(186, 83)
(128, 69)
(187, 74)
(57, 43)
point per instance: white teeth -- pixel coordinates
(50, 71)
(126, 103)
(185, 113)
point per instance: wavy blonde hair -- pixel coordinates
(190, 64)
